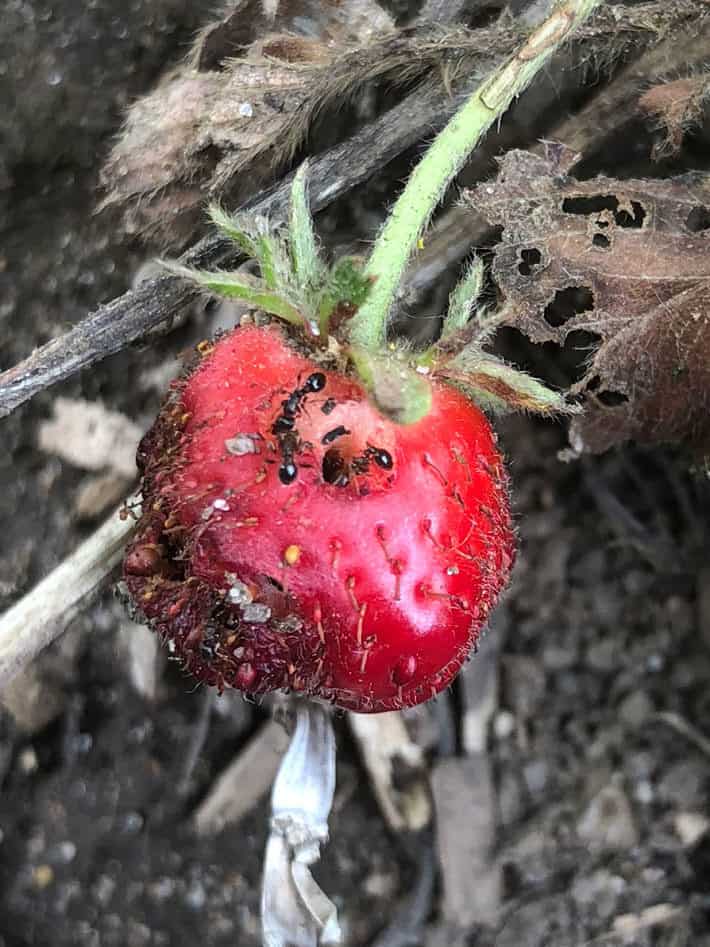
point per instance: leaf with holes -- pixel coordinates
(625, 263)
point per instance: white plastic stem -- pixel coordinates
(295, 912)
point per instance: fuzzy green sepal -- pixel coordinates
(240, 286)
(500, 388)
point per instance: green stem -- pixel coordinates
(443, 161)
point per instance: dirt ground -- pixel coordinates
(600, 769)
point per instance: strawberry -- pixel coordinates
(321, 513)
(296, 538)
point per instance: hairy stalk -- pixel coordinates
(444, 159)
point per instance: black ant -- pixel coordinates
(291, 406)
(284, 425)
(381, 457)
(337, 471)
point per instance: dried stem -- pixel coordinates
(294, 910)
(42, 615)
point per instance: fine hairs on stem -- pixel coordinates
(445, 158)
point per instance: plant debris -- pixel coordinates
(222, 124)
(89, 436)
(678, 106)
(621, 267)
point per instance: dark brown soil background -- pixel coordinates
(601, 806)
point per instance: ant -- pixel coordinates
(284, 427)
(381, 457)
(337, 471)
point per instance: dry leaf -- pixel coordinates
(219, 127)
(91, 436)
(628, 261)
(244, 21)
(678, 106)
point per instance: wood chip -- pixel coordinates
(144, 657)
(243, 783)
(465, 806)
(608, 821)
(396, 768)
(629, 926)
(98, 493)
(479, 690)
(33, 700)
(91, 437)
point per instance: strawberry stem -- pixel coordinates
(443, 161)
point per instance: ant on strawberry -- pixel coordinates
(284, 426)
(379, 455)
(337, 471)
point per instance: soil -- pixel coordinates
(601, 804)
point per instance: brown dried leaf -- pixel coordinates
(628, 261)
(677, 105)
(218, 127)
(245, 21)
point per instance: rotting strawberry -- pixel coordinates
(320, 515)
(296, 538)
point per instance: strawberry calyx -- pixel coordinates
(294, 283)
(319, 302)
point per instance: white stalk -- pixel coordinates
(44, 613)
(295, 912)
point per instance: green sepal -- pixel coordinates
(399, 391)
(240, 286)
(463, 299)
(258, 240)
(347, 286)
(236, 229)
(308, 267)
(500, 388)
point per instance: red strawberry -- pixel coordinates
(293, 537)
